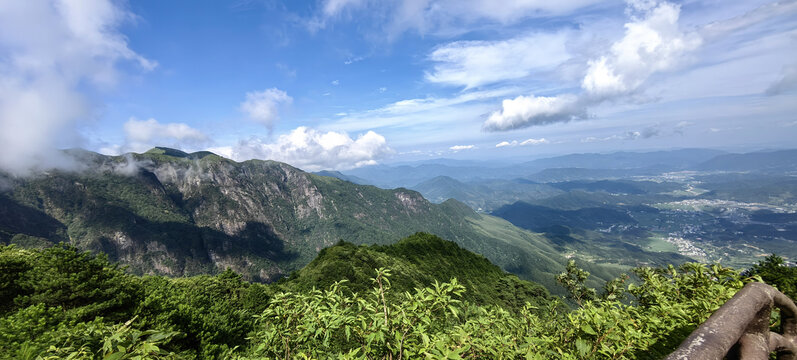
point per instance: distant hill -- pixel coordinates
(603, 234)
(540, 218)
(783, 160)
(669, 160)
(626, 187)
(484, 195)
(583, 166)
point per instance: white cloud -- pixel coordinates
(429, 111)
(335, 82)
(142, 135)
(263, 106)
(382, 89)
(646, 133)
(442, 16)
(476, 63)
(527, 142)
(353, 60)
(334, 7)
(313, 150)
(534, 142)
(462, 147)
(52, 51)
(653, 42)
(592, 139)
(524, 111)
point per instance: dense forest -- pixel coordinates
(356, 302)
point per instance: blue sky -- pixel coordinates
(336, 84)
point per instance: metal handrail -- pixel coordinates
(740, 328)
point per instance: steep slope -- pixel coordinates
(173, 213)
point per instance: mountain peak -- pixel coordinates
(165, 151)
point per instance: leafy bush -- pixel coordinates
(432, 322)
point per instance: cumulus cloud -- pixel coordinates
(142, 135)
(522, 143)
(476, 63)
(313, 150)
(462, 147)
(525, 111)
(263, 106)
(52, 52)
(653, 42)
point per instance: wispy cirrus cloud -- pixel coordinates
(442, 17)
(476, 63)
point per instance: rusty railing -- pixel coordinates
(740, 329)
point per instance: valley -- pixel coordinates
(706, 206)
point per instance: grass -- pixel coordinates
(659, 244)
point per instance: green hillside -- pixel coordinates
(417, 261)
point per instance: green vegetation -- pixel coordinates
(417, 262)
(60, 302)
(773, 271)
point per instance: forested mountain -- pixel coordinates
(172, 213)
(417, 262)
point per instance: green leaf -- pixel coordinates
(588, 329)
(582, 347)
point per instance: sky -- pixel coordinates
(339, 84)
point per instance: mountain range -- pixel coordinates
(173, 213)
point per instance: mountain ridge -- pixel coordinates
(163, 212)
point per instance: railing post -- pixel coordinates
(740, 328)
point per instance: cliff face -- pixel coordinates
(168, 212)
